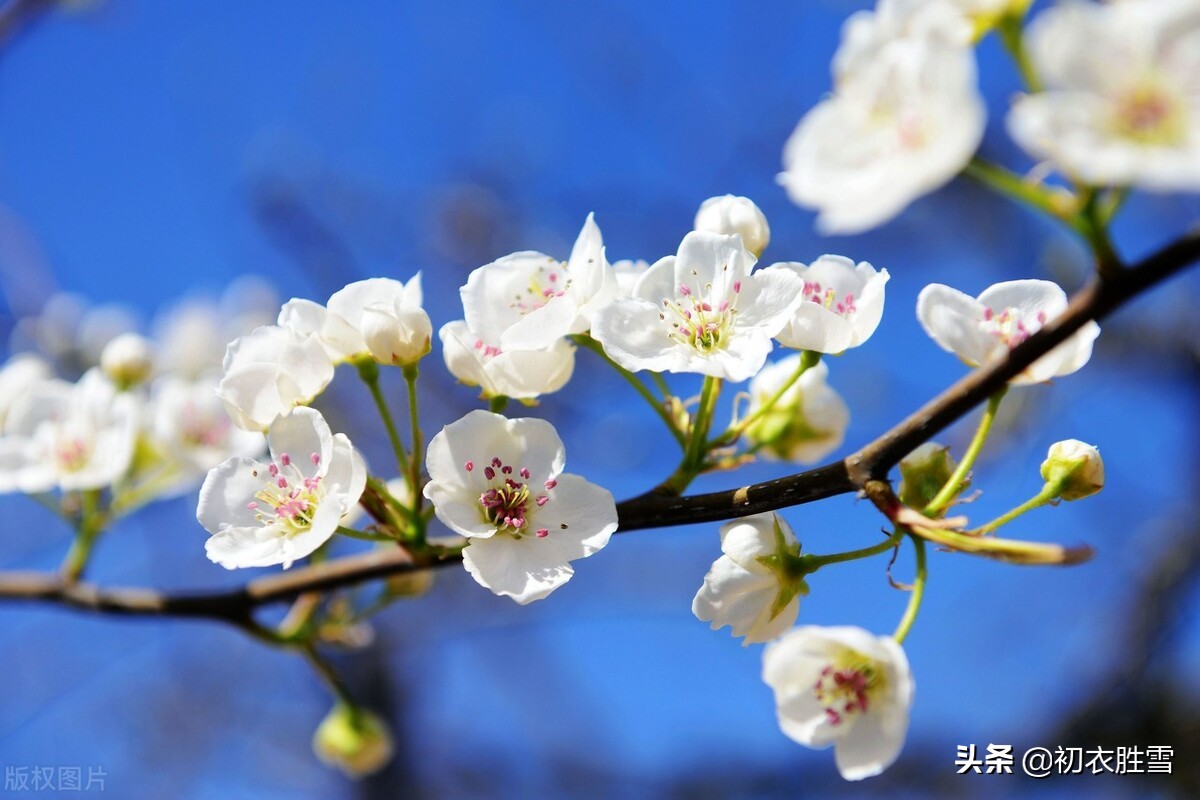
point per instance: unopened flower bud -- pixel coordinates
(809, 420)
(1074, 468)
(398, 334)
(729, 214)
(924, 472)
(354, 740)
(127, 360)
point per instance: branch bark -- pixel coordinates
(865, 470)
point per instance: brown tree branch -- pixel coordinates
(865, 470)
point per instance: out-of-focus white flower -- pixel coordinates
(263, 514)
(978, 330)
(628, 272)
(809, 421)
(755, 587)
(354, 740)
(1122, 105)
(528, 300)
(269, 372)
(519, 374)
(191, 431)
(702, 310)
(500, 483)
(128, 360)
(843, 304)
(844, 687)
(1075, 468)
(191, 335)
(378, 318)
(68, 436)
(729, 214)
(17, 375)
(902, 125)
(953, 22)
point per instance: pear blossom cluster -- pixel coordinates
(135, 425)
(1112, 101)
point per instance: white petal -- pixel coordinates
(515, 568)
(578, 512)
(300, 434)
(226, 491)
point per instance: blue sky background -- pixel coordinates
(152, 150)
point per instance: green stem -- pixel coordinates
(955, 484)
(497, 404)
(414, 476)
(644, 391)
(327, 674)
(1010, 28)
(91, 523)
(814, 562)
(695, 451)
(1057, 203)
(918, 593)
(808, 360)
(661, 383)
(369, 372)
(1048, 493)
(366, 537)
(1095, 231)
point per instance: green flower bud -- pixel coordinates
(924, 472)
(1073, 470)
(354, 740)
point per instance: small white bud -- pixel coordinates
(1075, 468)
(397, 335)
(127, 360)
(730, 214)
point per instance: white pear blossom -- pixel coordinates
(898, 128)
(729, 214)
(378, 318)
(843, 304)
(18, 375)
(191, 431)
(845, 687)
(953, 22)
(190, 336)
(628, 272)
(519, 374)
(1075, 468)
(128, 359)
(1122, 99)
(270, 371)
(72, 437)
(702, 310)
(755, 587)
(500, 483)
(978, 330)
(527, 300)
(809, 420)
(275, 513)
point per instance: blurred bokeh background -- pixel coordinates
(155, 152)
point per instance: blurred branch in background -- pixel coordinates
(18, 16)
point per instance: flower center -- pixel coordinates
(506, 503)
(72, 453)
(1149, 115)
(288, 498)
(547, 282)
(199, 428)
(696, 322)
(1009, 325)
(827, 296)
(846, 688)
